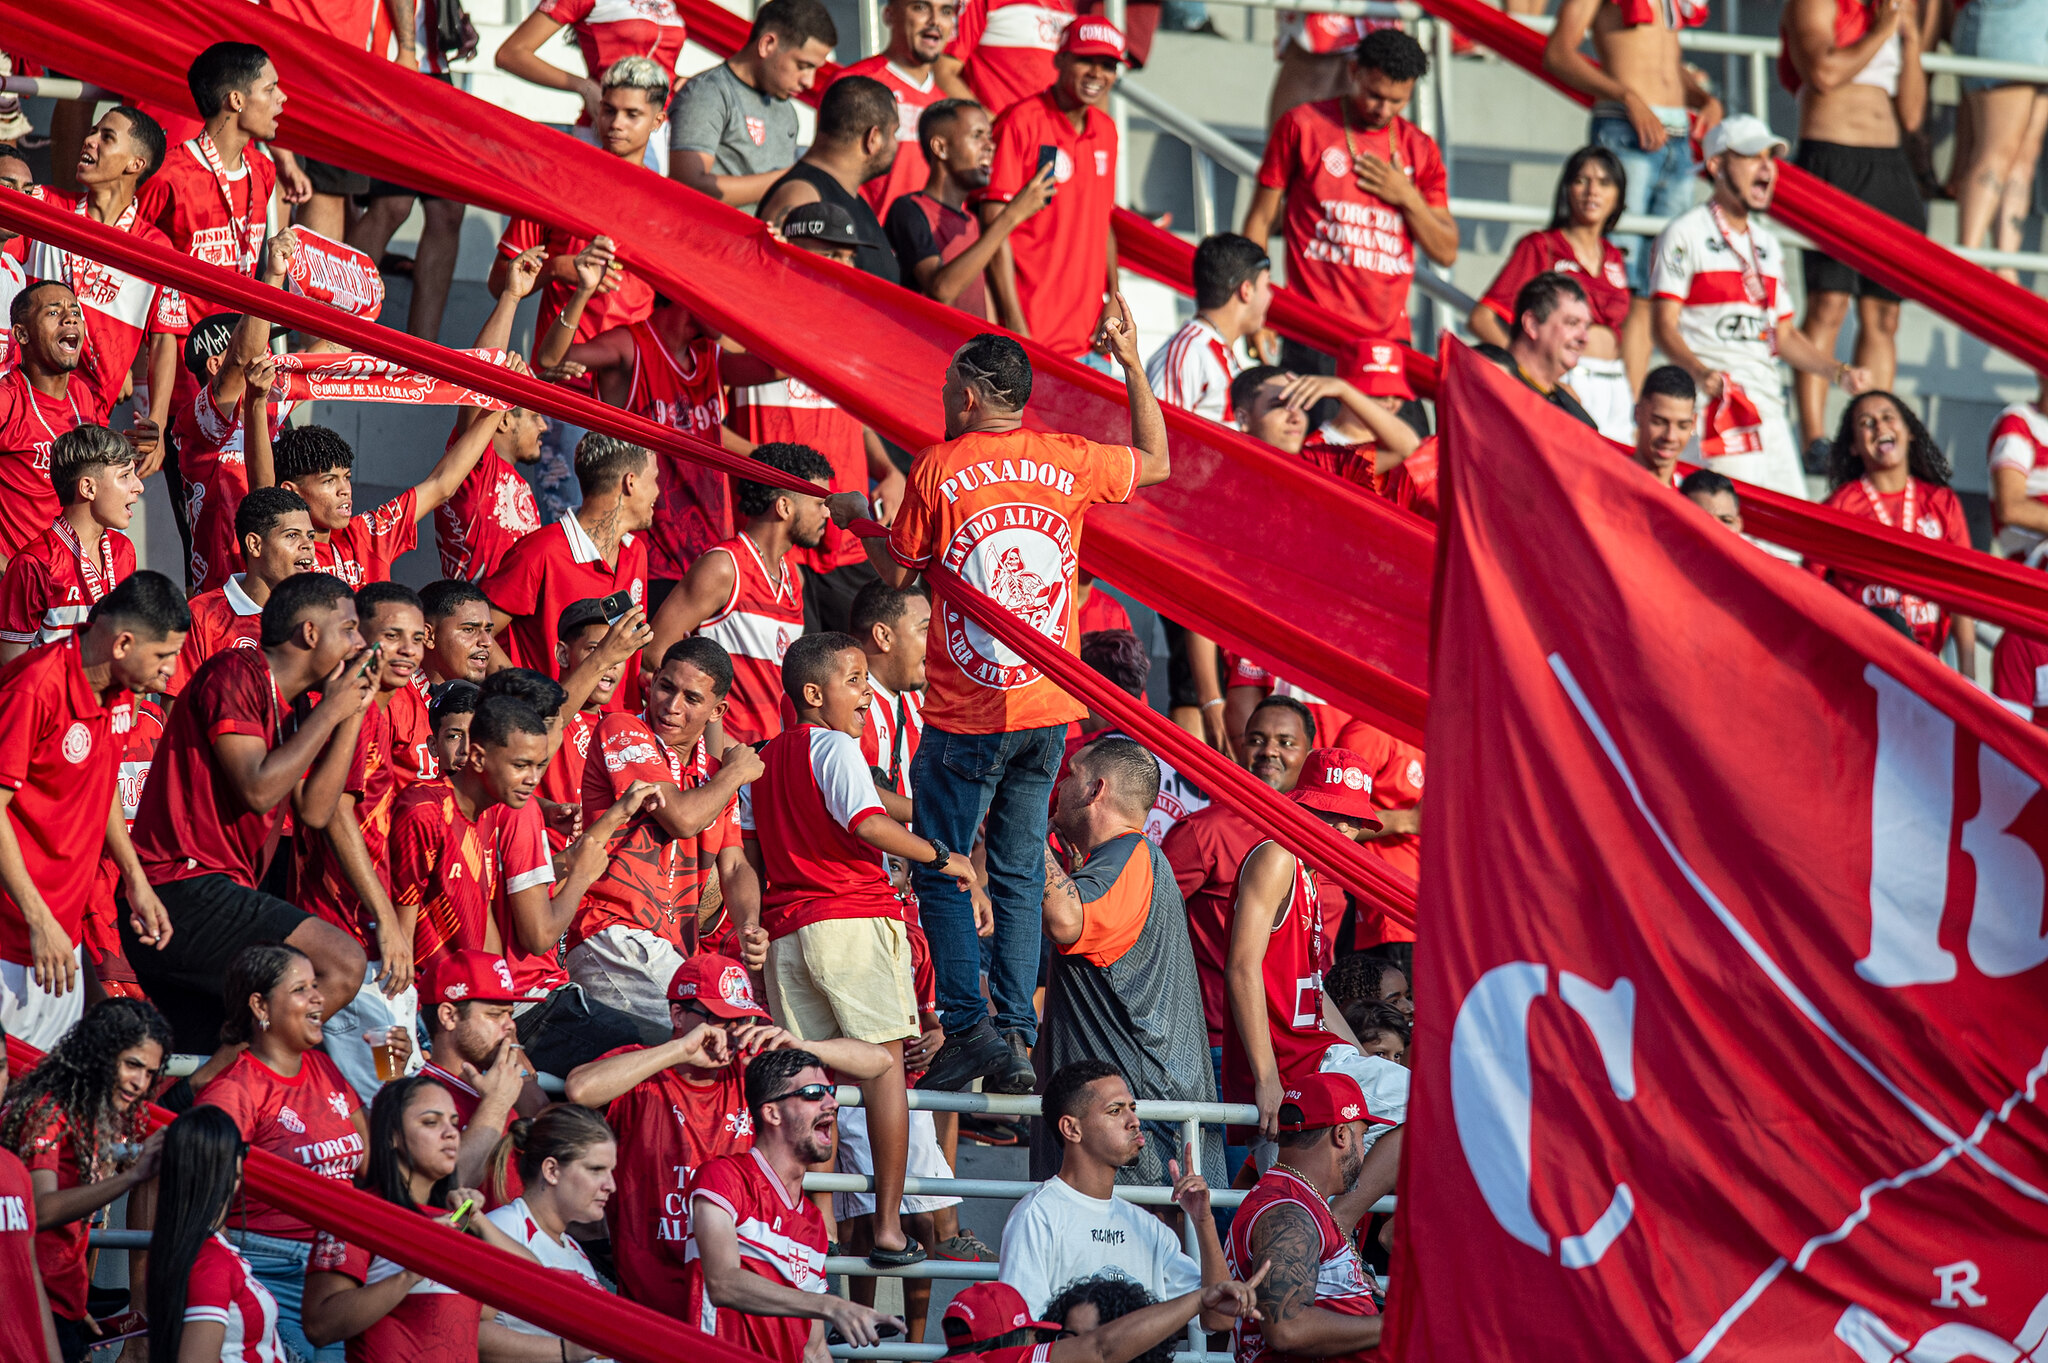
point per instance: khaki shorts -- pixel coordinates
(843, 977)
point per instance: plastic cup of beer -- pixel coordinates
(384, 1053)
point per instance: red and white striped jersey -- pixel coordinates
(1296, 957)
(2019, 440)
(895, 726)
(120, 309)
(759, 621)
(792, 410)
(1341, 1282)
(1722, 318)
(52, 584)
(1008, 47)
(1193, 371)
(782, 1238)
(223, 1291)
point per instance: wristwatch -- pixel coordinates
(941, 854)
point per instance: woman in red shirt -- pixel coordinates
(1590, 195)
(286, 1097)
(77, 1121)
(204, 1301)
(1886, 468)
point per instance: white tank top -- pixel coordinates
(1882, 70)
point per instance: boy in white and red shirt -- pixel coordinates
(53, 583)
(1004, 49)
(276, 534)
(838, 947)
(1362, 188)
(1065, 255)
(746, 594)
(919, 31)
(1233, 289)
(2019, 478)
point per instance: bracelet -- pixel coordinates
(1218, 700)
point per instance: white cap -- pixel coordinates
(1745, 135)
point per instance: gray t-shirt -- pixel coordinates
(746, 131)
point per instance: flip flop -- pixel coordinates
(912, 1253)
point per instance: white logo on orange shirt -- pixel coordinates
(1023, 556)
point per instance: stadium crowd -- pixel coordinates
(685, 791)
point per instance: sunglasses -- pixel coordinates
(810, 1093)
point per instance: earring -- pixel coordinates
(262, 1024)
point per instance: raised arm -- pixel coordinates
(456, 462)
(522, 275)
(598, 1083)
(519, 55)
(1148, 423)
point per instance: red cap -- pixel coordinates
(1091, 35)
(1336, 781)
(987, 1310)
(1326, 1099)
(1376, 369)
(472, 977)
(719, 985)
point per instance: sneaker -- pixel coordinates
(977, 1053)
(1016, 1075)
(1819, 451)
(964, 1248)
(983, 1129)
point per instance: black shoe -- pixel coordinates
(1819, 452)
(977, 1053)
(1017, 1076)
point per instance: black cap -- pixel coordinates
(209, 337)
(578, 615)
(826, 223)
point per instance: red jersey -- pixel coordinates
(562, 782)
(548, 571)
(492, 511)
(223, 1291)
(21, 1330)
(1346, 249)
(654, 879)
(759, 621)
(102, 934)
(191, 823)
(222, 619)
(1008, 47)
(363, 551)
(60, 754)
(1296, 957)
(413, 758)
(895, 726)
(208, 213)
(52, 584)
(1540, 252)
(667, 1127)
(430, 1324)
(630, 302)
(1923, 509)
(681, 391)
(60, 1249)
(2019, 674)
(908, 173)
(307, 1119)
(444, 869)
(816, 790)
(1341, 1282)
(1003, 510)
(1102, 611)
(1206, 850)
(1062, 251)
(606, 30)
(790, 410)
(210, 455)
(525, 860)
(120, 309)
(323, 888)
(782, 1238)
(30, 423)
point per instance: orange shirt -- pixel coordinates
(1003, 510)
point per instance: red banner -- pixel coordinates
(370, 378)
(1734, 986)
(338, 275)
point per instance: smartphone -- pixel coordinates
(1048, 157)
(615, 606)
(370, 657)
(468, 1205)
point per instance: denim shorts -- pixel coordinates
(2002, 30)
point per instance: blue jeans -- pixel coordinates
(280, 1265)
(1659, 183)
(958, 782)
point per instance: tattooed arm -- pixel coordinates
(1285, 1237)
(1064, 912)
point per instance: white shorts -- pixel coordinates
(1602, 388)
(627, 969)
(656, 158)
(924, 1160)
(32, 1014)
(369, 1011)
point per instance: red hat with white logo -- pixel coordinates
(987, 1310)
(1091, 35)
(472, 977)
(1376, 369)
(1320, 1100)
(1336, 781)
(719, 985)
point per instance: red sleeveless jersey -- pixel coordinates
(1341, 1284)
(1295, 961)
(681, 392)
(757, 624)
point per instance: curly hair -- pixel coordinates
(1113, 1296)
(1924, 459)
(75, 1084)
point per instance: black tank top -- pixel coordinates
(873, 254)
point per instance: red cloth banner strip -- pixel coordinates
(1282, 570)
(369, 378)
(1904, 261)
(1379, 885)
(558, 1302)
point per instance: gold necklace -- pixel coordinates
(1283, 1164)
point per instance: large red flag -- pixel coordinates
(1732, 1014)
